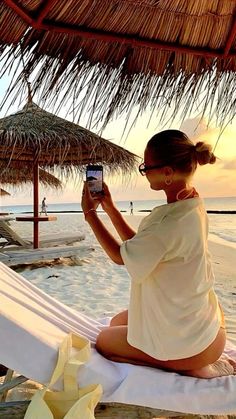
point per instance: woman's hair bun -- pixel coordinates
(204, 153)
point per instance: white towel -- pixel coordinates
(32, 325)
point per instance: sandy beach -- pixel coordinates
(98, 287)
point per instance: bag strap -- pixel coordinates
(68, 365)
(88, 396)
(71, 367)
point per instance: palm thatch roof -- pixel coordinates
(33, 134)
(122, 53)
(15, 177)
(3, 192)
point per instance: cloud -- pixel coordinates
(229, 165)
(197, 128)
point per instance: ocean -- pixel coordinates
(222, 227)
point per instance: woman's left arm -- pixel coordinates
(105, 238)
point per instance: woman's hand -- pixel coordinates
(106, 199)
(107, 241)
(87, 201)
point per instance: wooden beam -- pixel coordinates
(43, 9)
(230, 39)
(14, 410)
(103, 411)
(130, 40)
(8, 385)
(20, 11)
(124, 411)
(8, 379)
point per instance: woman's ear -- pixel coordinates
(168, 171)
(168, 175)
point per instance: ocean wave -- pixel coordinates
(223, 239)
(226, 237)
(223, 227)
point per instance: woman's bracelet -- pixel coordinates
(90, 210)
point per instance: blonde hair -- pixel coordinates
(173, 148)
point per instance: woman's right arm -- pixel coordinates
(122, 227)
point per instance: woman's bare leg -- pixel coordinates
(223, 366)
(112, 344)
(120, 319)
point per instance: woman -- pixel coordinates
(44, 207)
(174, 321)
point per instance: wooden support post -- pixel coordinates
(36, 203)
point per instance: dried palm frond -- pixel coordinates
(109, 56)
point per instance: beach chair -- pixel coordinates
(40, 323)
(30, 256)
(12, 238)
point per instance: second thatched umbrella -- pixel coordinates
(15, 177)
(33, 137)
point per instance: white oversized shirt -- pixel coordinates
(173, 310)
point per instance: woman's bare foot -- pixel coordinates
(223, 366)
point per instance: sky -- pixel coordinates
(216, 180)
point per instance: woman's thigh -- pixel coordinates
(120, 319)
(112, 344)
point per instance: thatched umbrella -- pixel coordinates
(16, 177)
(127, 52)
(33, 137)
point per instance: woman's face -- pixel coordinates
(154, 176)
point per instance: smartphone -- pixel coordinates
(94, 178)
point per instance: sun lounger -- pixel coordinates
(38, 323)
(6, 217)
(11, 238)
(27, 256)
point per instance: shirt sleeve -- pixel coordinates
(142, 253)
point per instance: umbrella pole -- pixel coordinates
(36, 203)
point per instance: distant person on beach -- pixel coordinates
(43, 207)
(174, 321)
(131, 206)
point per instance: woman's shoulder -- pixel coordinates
(174, 210)
(174, 219)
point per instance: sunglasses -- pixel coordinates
(143, 168)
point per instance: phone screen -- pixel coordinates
(94, 177)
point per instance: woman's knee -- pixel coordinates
(101, 342)
(112, 341)
(104, 344)
(120, 319)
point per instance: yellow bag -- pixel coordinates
(72, 402)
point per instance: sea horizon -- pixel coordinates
(221, 213)
(213, 203)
